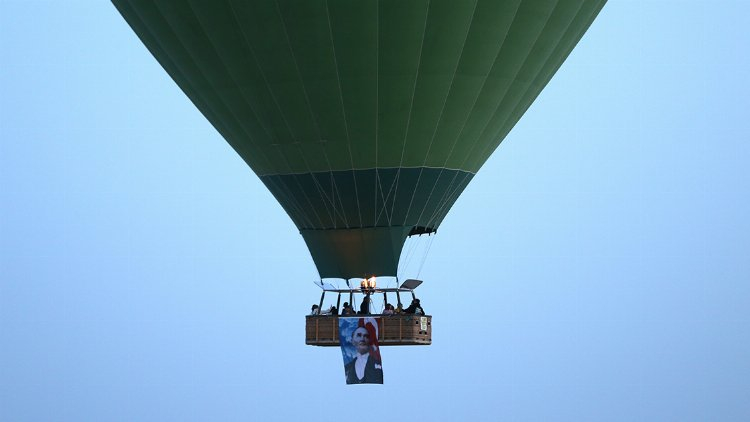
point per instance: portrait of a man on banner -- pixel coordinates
(359, 346)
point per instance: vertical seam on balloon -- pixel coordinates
(281, 113)
(448, 195)
(343, 112)
(284, 189)
(499, 103)
(334, 187)
(219, 98)
(458, 63)
(476, 140)
(321, 191)
(239, 89)
(197, 67)
(263, 75)
(529, 88)
(445, 204)
(512, 112)
(437, 124)
(397, 179)
(169, 65)
(468, 116)
(190, 55)
(299, 73)
(573, 41)
(281, 152)
(313, 118)
(377, 120)
(385, 199)
(323, 197)
(457, 188)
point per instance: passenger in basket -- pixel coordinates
(347, 309)
(364, 307)
(415, 308)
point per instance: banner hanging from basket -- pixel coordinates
(358, 338)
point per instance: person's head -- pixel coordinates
(361, 340)
(346, 304)
(415, 302)
(314, 307)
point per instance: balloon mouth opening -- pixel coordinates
(420, 230)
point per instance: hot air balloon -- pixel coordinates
(366, 119)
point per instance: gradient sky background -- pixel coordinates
(597, 268)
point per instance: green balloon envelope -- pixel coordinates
(365, 119)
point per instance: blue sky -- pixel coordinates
(597, 267)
